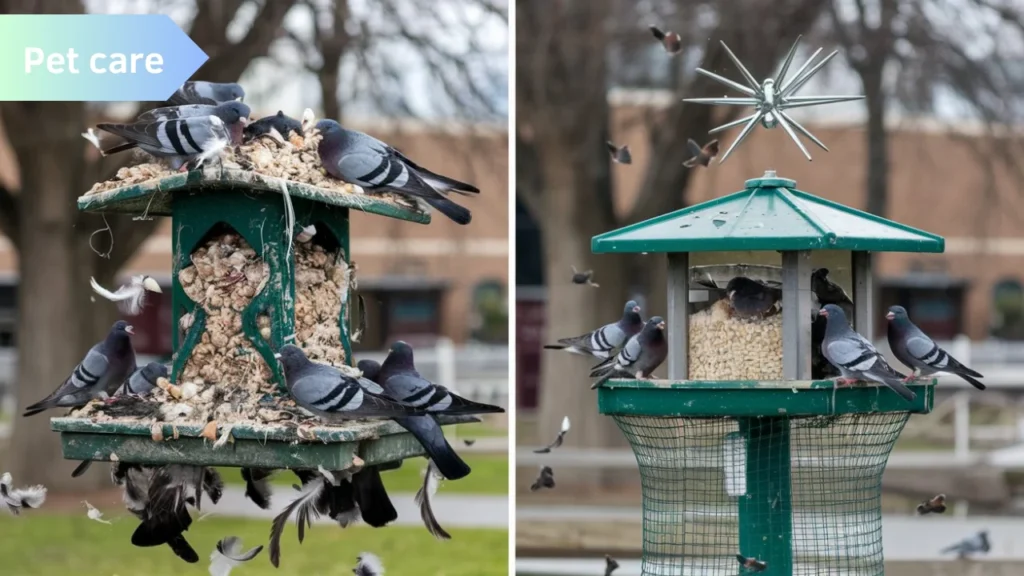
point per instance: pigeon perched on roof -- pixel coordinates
(855, 357)
(363, 160)
(104, 368)
(639, 358)
(603, 342)
(181, 141)
(914, 348)
(279, 123)
(121, 137)
(200, 92)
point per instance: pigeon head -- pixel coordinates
(327, 126)
(400, 354)
(369, 368)
(292, 357)
(631, 307)
(655, 323)
(897, 314)
(834, 314)
(121, 328)
(820, 273)
(235, 91)
(233, 112)
(154, 370)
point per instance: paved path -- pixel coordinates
(452, 510)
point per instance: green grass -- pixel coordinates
(489, 476)
(473, 430)
(37, 544)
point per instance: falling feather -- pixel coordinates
(257, 485)
(130, 297)
(228, 554)
(15, 499)
(304, 507)
(431, 481)
(327, 475)
(308, 120)
(368, 565)
(94, 514)
(558, 440)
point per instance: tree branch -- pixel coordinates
(227, 64)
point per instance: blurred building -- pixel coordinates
(943, 179)
(418, 281)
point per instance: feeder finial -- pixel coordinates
(771, 98)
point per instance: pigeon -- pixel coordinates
(228, 554)
(163, 507)
(700, 156)
(279, 123)
(855, 357)
(826, 291)
(363, 160)
(14, 500)
(143, 380)
(585, 277)
(330, 394)
(131, 297)
(368, 565)
(546, 479)
(211, 93)
(257, 485)
(610, 565)
(183, 142)
(469, 442)
(558, 439)
(671, 41)
(752, 299)
(619, 155)
(100, 373)
(431, 480)
(752, 564)
(234, 114)
(936, 504)
(641, 355)
(821, 369)
(601, 343)
(975, 544)
(915, 349)
(94, 513)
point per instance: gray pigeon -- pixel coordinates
(977, 544)
(752, 299)
(361, 159)
(98, 375)
(601, 343)
(278, 123)
(211, 93)
(143, 380)
(180, 141)
(855, 357)
(915, 349)
(328, 393)
(640, 357)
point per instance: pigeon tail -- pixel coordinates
(459, 214)
(963, 373)
(429, 434)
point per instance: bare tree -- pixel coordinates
(55, 242)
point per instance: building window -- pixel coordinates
(8, 314)
(490, 312)
(1008, 310)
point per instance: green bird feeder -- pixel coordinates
(239, 293)
(740, 451)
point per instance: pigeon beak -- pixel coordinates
(823, 312)
(150, 284)
(129, 330)
(890, 316)
(244, 121)
(636, 309)
(661, 326)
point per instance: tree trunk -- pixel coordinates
(878, 145)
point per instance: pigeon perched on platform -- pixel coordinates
(332, 395)
(640, 357)
(603, 342)
(100, 373)
(279, 123)
(855, 357)
(363, 160)
(752, 299)
(977, 544)
(199, 92)
(917, 351)
(234, 115)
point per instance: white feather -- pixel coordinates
(13, 500)
(306, 234)
(224, 437)
(565, 425)
(93, 139)
(5, 479)
(369, 565)
(221, 563)
(289, 218)
(94, 514)
(327, 475)
(308, 120)
(131, 297)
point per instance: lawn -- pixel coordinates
(42, 545)
(489, 476)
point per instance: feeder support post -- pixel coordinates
(796, 315)
(678, 315)
(863, 294)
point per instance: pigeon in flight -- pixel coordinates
(211, 93)
(855, 357)
(104, 368)
(915, 349)
(601, 343)
(671, 41)
(701, 156)
(640, 357)
(620, 155)
(558, 439)
(546, 479)
(936, 504)
(363, 160)
(752, 564)
(586, 277)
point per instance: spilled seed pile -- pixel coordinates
(225, 378)
(727, 347)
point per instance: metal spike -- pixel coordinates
(789, 130)
(746, 130)
(810, 61)
(819, 99)
(781, 76)
(743, 69)
(731, 124)
(803, 130)
(734, 85)
(724, 101)
(807, 75)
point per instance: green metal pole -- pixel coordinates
(766, 511)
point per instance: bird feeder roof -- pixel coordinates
(770, 214)
(153, 197)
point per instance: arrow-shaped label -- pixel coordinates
(94, 57)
